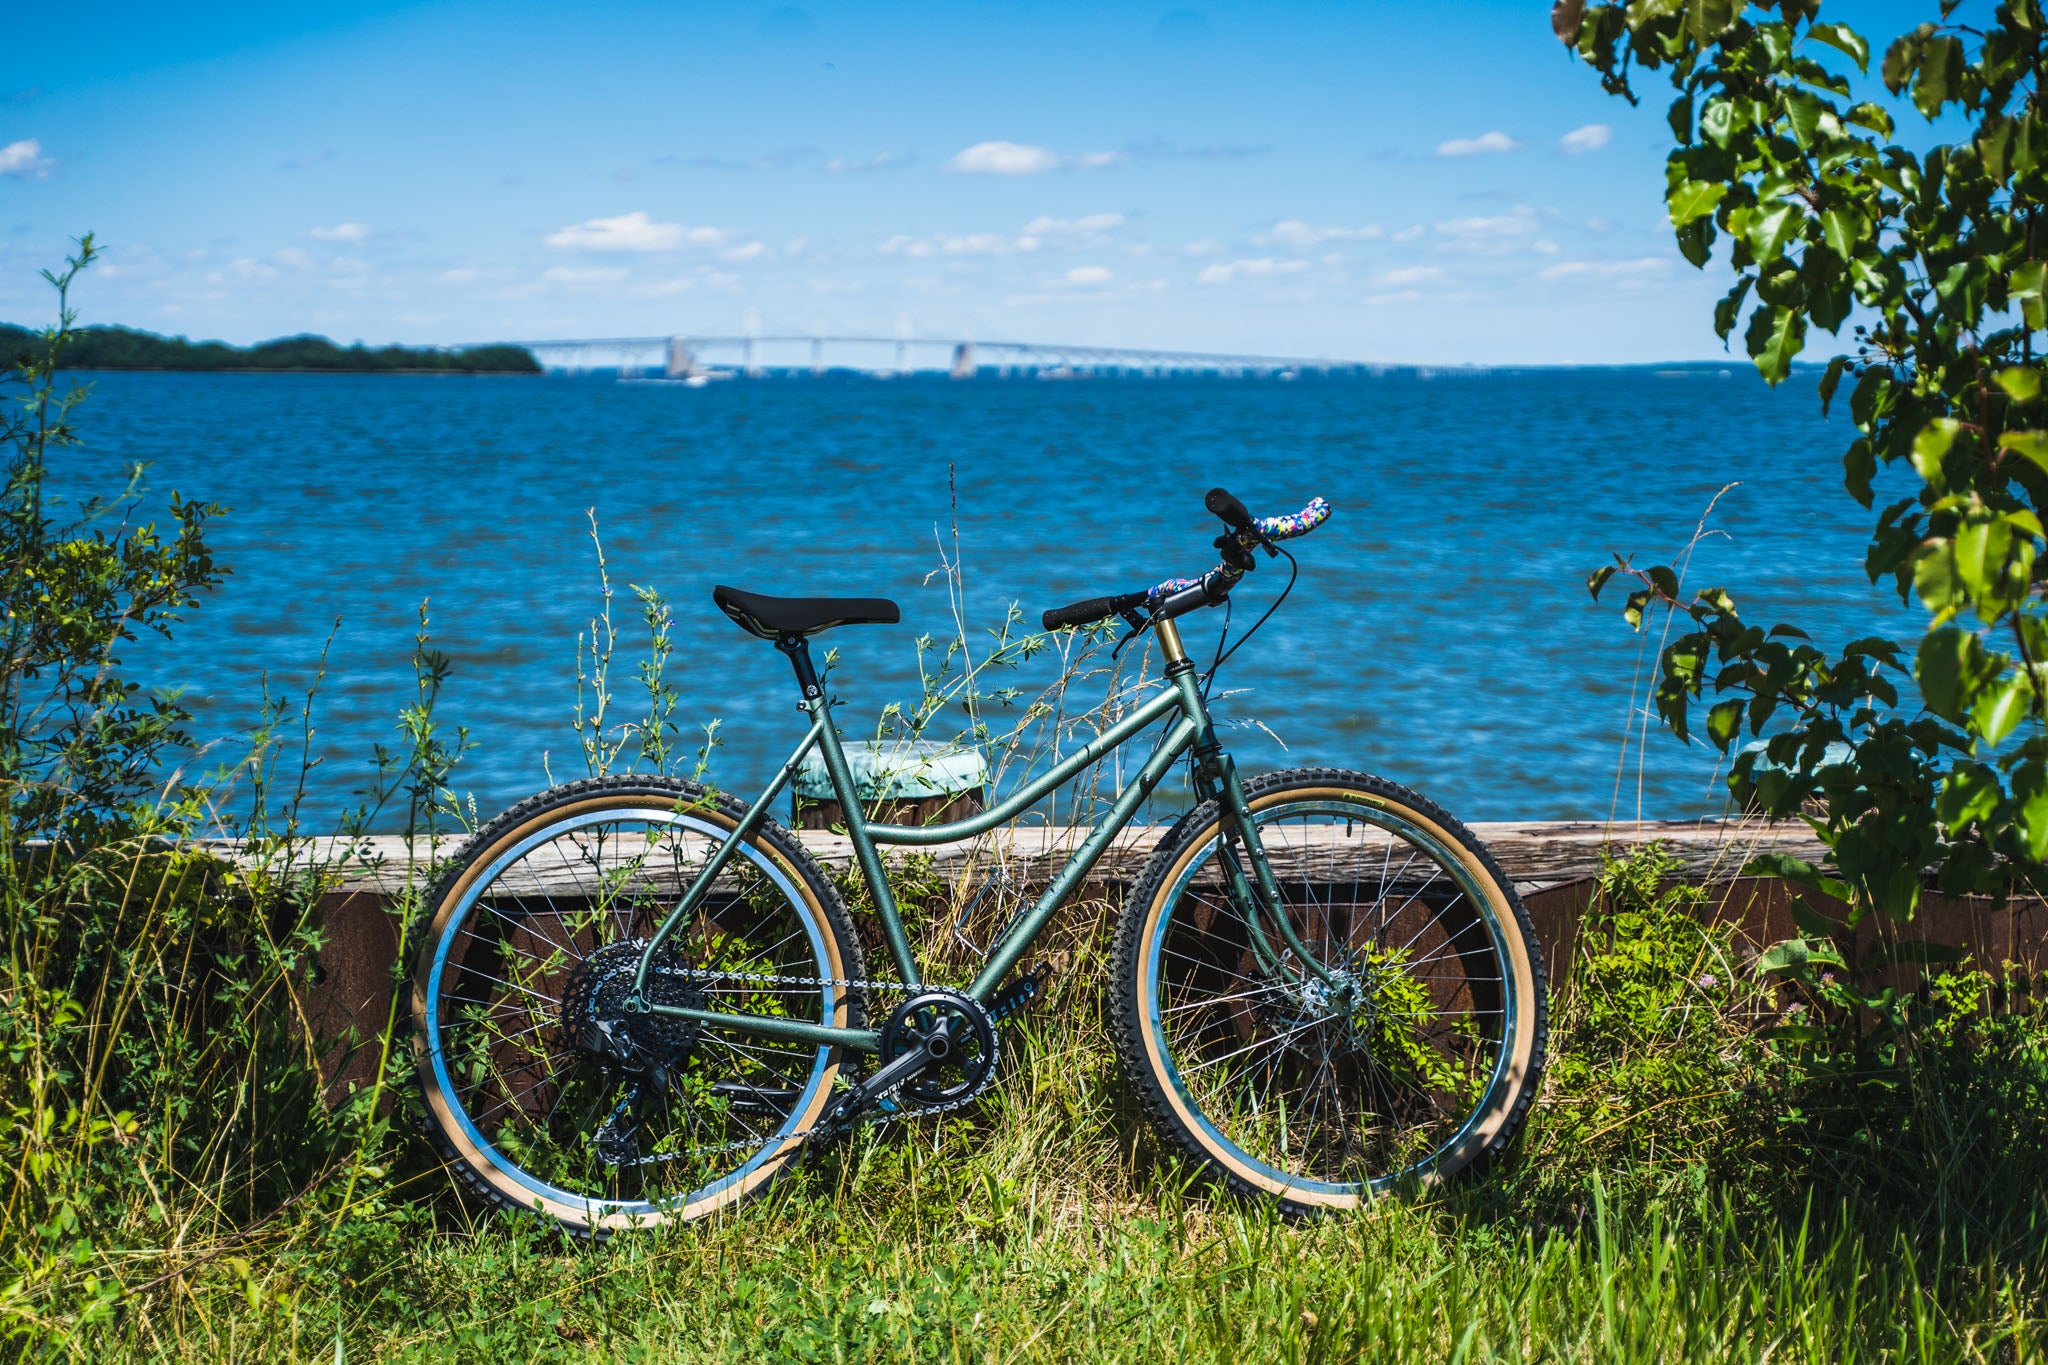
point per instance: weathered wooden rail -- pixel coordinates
(1536, 855)
(1554, 866)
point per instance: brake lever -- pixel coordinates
(1137, 624)
(1235, 554)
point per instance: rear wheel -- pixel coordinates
(1416, 1058)
(541, 1091)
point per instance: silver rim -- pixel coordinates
(1334, 1095)
(533, 1106)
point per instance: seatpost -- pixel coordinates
(798, 648)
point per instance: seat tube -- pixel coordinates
(865, 853)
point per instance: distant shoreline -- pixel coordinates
(123, 348)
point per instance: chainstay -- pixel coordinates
(871, 1118)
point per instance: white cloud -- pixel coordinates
(633, 232)
(1409, 233)
(466, 274)
(1250, 269)
(562, 274)
(1590, 138)
(748, 252)
(1495, 235)
(1088, 275)
(1477, 146)
(1409, 277)
(1205, 247)
(25, 158)
(1060, 233)
(1004, 158)
(341, 232)
(1293, 232)
(1642, 268)
(1093, 225)
(1018, 158)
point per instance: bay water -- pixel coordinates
(1440, 634)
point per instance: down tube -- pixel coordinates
(1019, 940)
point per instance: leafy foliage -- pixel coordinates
(1935, 257)
(79, 742)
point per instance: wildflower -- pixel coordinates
(1707, 981)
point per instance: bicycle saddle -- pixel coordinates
(773, 617)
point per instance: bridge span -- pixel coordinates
(701, 358)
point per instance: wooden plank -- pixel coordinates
(1534, 854)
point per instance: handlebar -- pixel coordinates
(1177, 596)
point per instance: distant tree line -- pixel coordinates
(121, 348)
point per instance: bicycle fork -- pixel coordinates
(1257, 896)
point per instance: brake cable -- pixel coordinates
(1222, 654)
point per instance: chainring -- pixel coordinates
(595, 1021)
(965, 1064)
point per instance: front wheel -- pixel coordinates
(1404, 1046)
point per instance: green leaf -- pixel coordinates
(1999, 711)
(1843, 228)
(2030, 792)
(2027, 285)
(2020, 383)
(1769, 228)
(1692, 199)
(1679, 116)
(1951, 665)
(1717, 121)
(1830, 380)
(1706, 20)
(1724, 722)
(2028, 445)
(1795, 955)
(1970, 792)
(1803, 112)
(1798, 871)
(1843, 39)
(1774, 337)
(1939, 74)
(1730, 305)
(1930, 446)
(1598, 580)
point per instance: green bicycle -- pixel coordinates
(637, 999)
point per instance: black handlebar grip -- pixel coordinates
(1230, 509)
(1092, 610)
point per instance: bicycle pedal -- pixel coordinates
(1019, 993)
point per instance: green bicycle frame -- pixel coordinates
(1258, 895)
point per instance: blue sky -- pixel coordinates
(1378, 181)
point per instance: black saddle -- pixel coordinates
(773, 617)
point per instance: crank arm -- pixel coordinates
(909, 1066)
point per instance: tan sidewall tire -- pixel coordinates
(482, 1168)
(1509, 1101)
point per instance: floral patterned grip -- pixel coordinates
(1272, 528)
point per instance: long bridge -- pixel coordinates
(701, 358)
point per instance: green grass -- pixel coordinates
(1686, 1190)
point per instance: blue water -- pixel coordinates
(1440, 634)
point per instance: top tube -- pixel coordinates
(1166, 700)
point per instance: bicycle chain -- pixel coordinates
(873, 1118)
